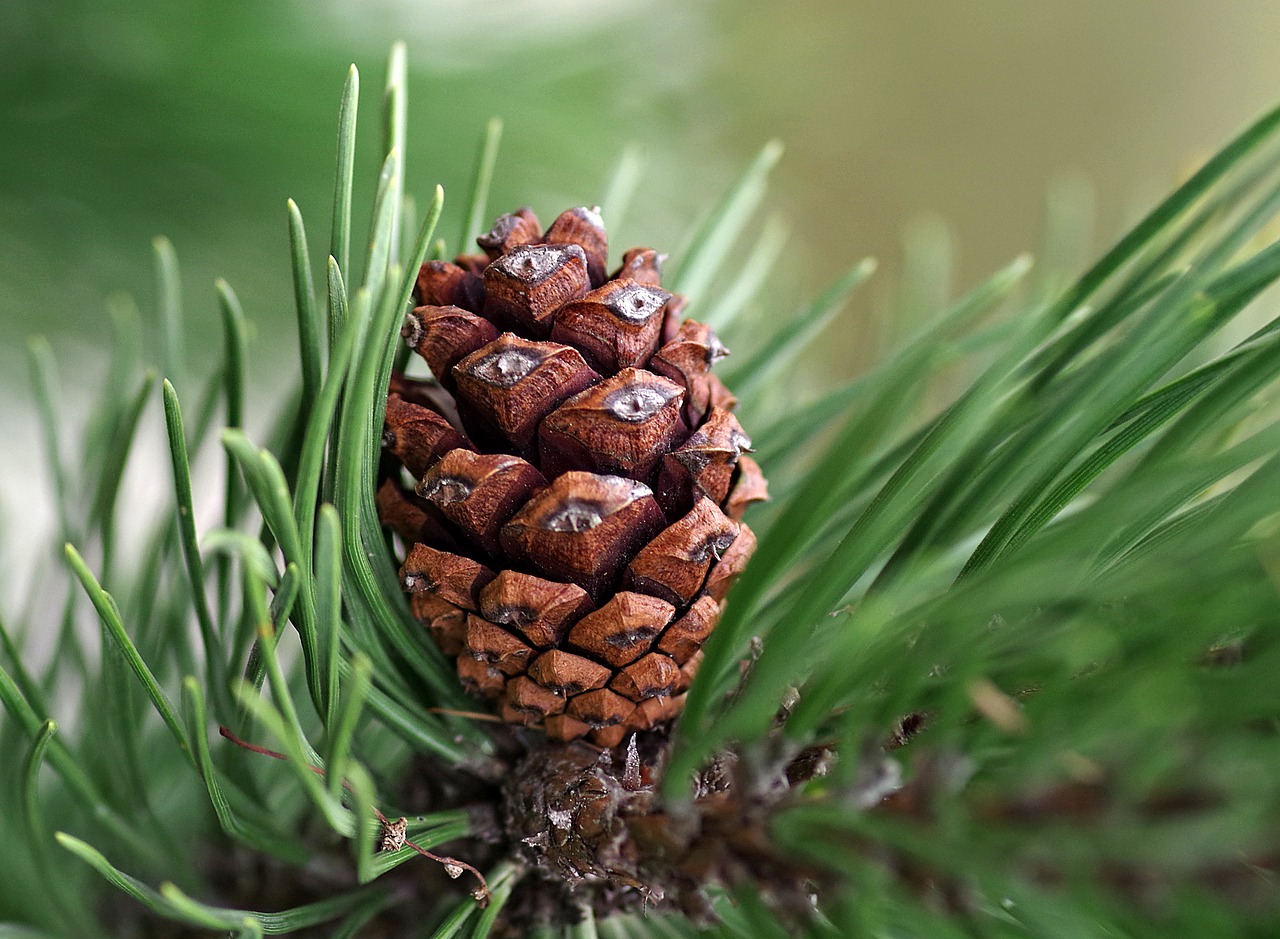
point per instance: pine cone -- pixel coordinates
(578, 479)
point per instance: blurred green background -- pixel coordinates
(198, 118)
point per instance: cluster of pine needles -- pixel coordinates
(1035, 624)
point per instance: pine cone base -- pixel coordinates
(596, 835)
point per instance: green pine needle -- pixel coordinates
(1066, 572)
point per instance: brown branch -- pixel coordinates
(452, 866)
(473, 715)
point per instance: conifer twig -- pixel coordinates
(392, 834)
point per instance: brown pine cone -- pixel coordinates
(569, 487)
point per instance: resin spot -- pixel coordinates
(447, 490)
(531, 263)
(637, 303)
(574, 516)
(636, 403)
(507, 367)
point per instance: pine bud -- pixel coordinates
(651, 712)
(406, 515)
(687, 634)
(704, 464)
(418, 436)
(540, 610)
(674, 318)
(424, 392)
(530, 700)
(674, 565)
(748, 486)
(507, 387)
(443, 284)
(601, 708)
(446, 623)
(583, 227)
(643, 265)
(566, 727)
(511, 231)
(480, 678)
(623, 629)
(444, 336)
(689, 671)
(524, 289)
(491, 643)
(479, 492)
(567, 674)
(621, 426)
(730, 566)
(652, 676)
(583, 528)
(616, 326)
(452, 577)
(687, 360)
